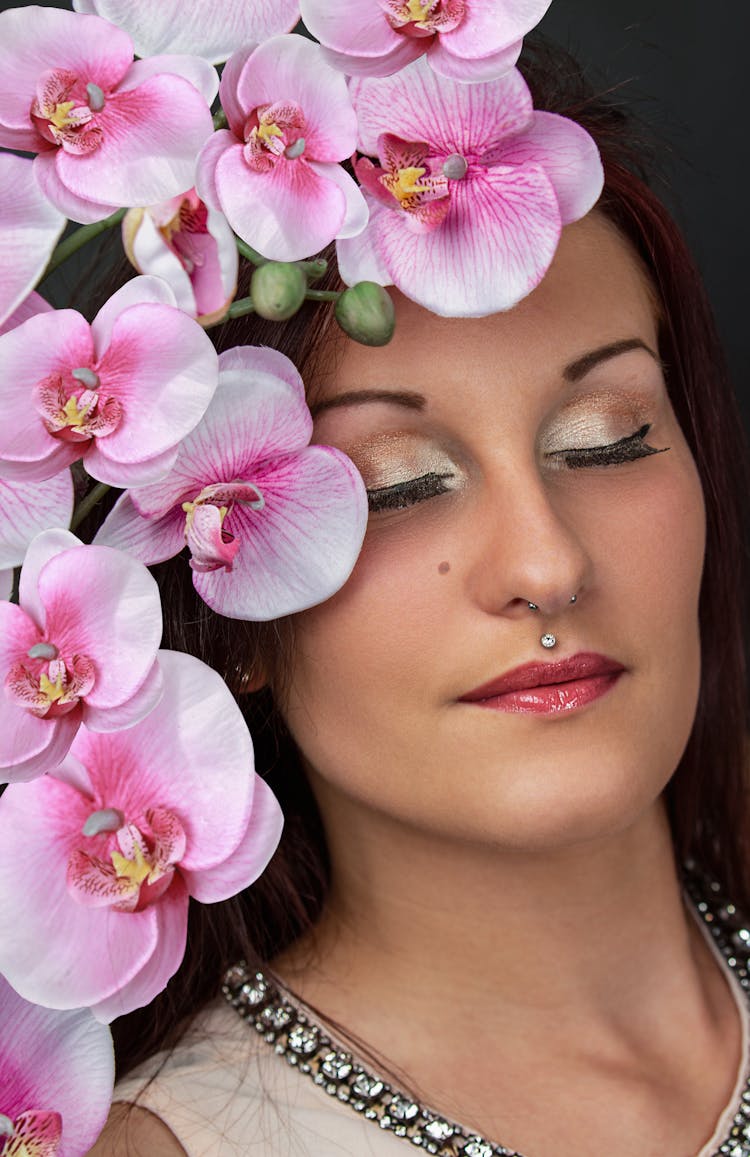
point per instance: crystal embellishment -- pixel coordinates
(291, 1032)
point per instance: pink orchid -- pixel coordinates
(274, 172)
(108, 131)
(200, 27)
(464, 40)
(56, 1076)
(273, 525)
(112, 843)
(29, 230)
(191, 247)
(469, 192)
(26, 509)
(119, 393)
(80, 647)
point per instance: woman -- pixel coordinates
(481, 892)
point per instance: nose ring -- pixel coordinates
(548, 640)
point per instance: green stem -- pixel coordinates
(80, 238)
(323, 294)
(220, 119)
(313, 269)
(240, 307)
(87, 504)
(251, 254)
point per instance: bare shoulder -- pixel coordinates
(132, 1131)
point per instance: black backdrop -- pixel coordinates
(683, 64)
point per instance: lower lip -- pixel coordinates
(553, 698)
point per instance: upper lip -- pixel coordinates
(580, 666)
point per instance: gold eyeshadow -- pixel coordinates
(386, 459)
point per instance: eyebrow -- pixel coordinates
(583, 365)
(405, 398)
(573, 372)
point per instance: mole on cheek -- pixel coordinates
(444, 567)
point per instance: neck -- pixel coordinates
(537, 946)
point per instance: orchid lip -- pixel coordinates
(583, 665)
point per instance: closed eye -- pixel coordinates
(624, 450)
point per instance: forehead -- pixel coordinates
(596, 292)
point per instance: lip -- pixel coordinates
(543, 688)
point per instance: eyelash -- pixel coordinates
(404, 494)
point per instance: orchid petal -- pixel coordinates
(233, 110)
(123, 474)
(357, 28)
(29, 230)
(26, 509)
(149, 253)
(357, 212)
(140, 704)
(469, 71)
(264, 360)
(29, 307)
(455, 118)
(194, 69)
(285, 213)
(300, 548)
(200, 28)
(489, 25)
(151, 540)
(101, 603)
(205, 171)
(44, 547)
(407, 50)
(163, 368)
(171, 938)
(80, 209)
(137, 291)
(357, 256)
(493, 248)
(249, 859)
(568, 155)
(63, 1061)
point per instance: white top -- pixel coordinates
(224, 1092)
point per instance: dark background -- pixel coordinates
(682, 64)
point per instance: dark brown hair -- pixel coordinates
(707, 798)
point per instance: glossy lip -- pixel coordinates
(549, 687)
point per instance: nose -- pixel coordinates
(525, 549)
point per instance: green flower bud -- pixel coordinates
(278, 289)
(365, 312)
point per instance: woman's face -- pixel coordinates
(475, 440)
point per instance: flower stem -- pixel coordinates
(80, 238)
(220, 119)
(87, 503)
(323, 294)
(249, 253)
(240, 307)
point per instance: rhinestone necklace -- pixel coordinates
(307, 1047)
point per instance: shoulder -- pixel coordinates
(224, 1092)
(132, 1131)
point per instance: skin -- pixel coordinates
(506, 882)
